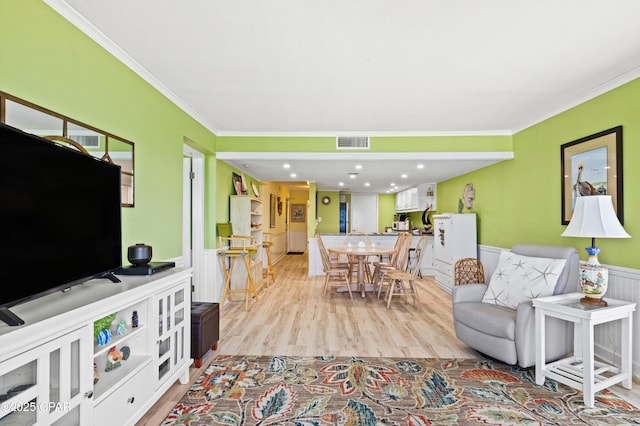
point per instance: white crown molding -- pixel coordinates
(591, 94)
(366, 133)
(499, 155)
(80, 22)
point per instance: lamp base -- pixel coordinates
(592, 301)
(594, 279)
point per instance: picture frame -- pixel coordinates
(592, 166)
(244, 185)
(272, 211)
(297, 212)
(237, 183)
(256, 192)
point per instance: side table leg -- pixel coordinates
(625, 351)
(540, 346)
(588, 365)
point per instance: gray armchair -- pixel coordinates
(508, 334)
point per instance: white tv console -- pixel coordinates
(47, 364)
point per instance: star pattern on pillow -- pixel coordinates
(518, 279)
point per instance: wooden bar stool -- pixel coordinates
(268, 273)
(228, 256)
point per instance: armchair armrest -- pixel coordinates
(468, 293)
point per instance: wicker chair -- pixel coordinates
(468, 271)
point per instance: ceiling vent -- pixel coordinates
(352, 142)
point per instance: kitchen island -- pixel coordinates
(387, 239)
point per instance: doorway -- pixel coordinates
(364, 213)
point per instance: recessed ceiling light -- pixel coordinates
(403, 176)
(286, 165)
(341, 183)
(421, 166)
(393, 184)
(293, 175)
(353, 175)
(246, 166)
(367, 184)
(358, 166)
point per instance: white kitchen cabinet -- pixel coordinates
(417, 198)
(454, 238)
(47, 364)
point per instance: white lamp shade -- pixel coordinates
(594, 217)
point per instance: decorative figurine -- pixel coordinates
(104, 337)
(122, 328)
(469, 195)
(126, 352)
(114, 357)
(96, 375)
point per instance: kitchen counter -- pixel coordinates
(384, 234)
(382, 239)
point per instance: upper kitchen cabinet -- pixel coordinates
(417, 198)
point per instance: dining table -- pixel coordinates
(362, 253)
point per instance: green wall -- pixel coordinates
(386, 210)
(518, 201)
(330, 213)
(48, 61)
(492, 143)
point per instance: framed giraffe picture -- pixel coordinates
(592, 165)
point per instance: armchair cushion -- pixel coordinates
(493, 320)
(519, 278)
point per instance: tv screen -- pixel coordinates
(60, 217)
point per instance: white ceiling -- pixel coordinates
(369, 67)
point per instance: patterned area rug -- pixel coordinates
(305, 391)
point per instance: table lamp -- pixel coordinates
(594, 217)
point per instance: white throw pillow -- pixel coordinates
(518, 278)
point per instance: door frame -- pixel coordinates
(193, 215)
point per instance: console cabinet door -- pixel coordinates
(173, 309)
(50, 383)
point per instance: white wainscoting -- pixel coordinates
(279, 248)
(298, 241)
(212, 284)
(624, 284)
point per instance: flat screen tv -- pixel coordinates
(60, 218)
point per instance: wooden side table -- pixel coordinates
(580, 370)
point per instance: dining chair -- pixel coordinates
(334, 260)
(404, 282)
(398, 264)
(390, 263)
(354, 238)
(336, 273)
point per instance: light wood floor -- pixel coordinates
(293, 317)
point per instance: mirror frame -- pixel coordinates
(65, 137)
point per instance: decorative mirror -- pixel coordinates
(65, 131)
